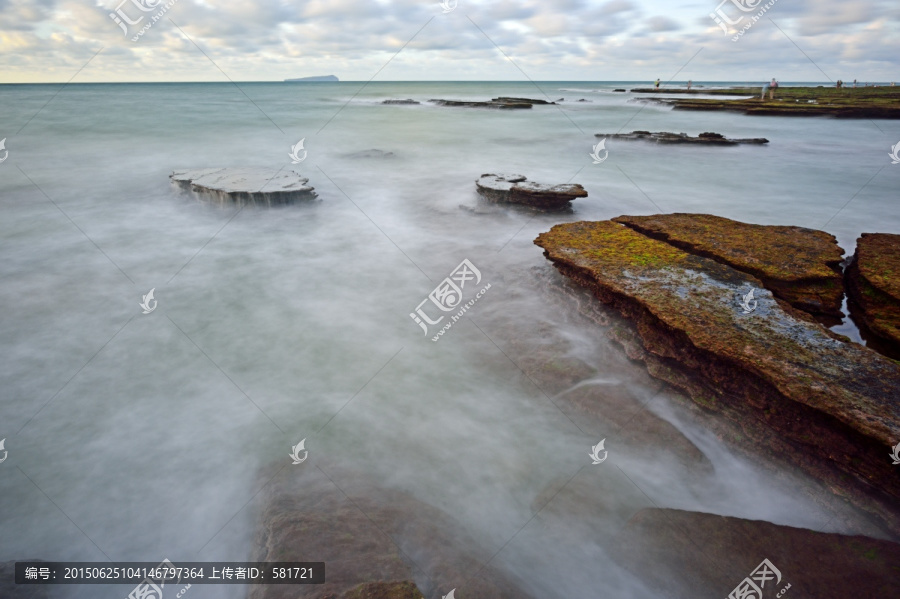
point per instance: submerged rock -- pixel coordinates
(664, 137)
(800, 266)
(407, 101)
(792, 387)
(366, 535)
(683, 554)
(373, 153)
(245, 185)
(873, 283)
(515, 189)
(10, 590)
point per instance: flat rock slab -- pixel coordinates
(245, 185)
(800, 266)
(516, 189)
(873, 282)
(664, 137)
(521, 100)
(799, 392)
(697, 555)
(407, 101)
(491, 104)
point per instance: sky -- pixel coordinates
(402, 40)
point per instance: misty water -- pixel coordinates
(138, 437)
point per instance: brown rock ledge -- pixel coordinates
(799, 393)
(873, 283)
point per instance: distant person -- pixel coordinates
(656, 85)
(892, 84)
(854, 84)
(839, 84)
(765, 88)
(690, 83)
(773, 85)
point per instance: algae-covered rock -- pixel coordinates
(800, 266)
(873, 282)
(692, 554)
(794, 388)
(516, 189)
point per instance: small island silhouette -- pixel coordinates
(313, 79)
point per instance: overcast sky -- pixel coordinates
(573, 40)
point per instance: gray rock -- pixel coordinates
(664, 137)
(407, 101)
(516, 189)
(245, 185)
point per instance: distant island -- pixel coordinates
(318, 78)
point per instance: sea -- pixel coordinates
(133, 436)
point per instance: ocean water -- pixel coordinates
(137, 437)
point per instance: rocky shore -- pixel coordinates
(868, 102)
(797, 391)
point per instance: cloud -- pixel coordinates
(49, 40)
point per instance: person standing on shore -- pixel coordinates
(656, 85)
(839, 84)
(854, 84)
(772, 87)
(765, 88)
(690, 83)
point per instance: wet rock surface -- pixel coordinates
(800, 266)
(793, 388)
(683, 554)
(10, 590)
(664, 137)
(376, 542)
(516, 189)
(407, 101)
(245, 185)
(873, 283)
